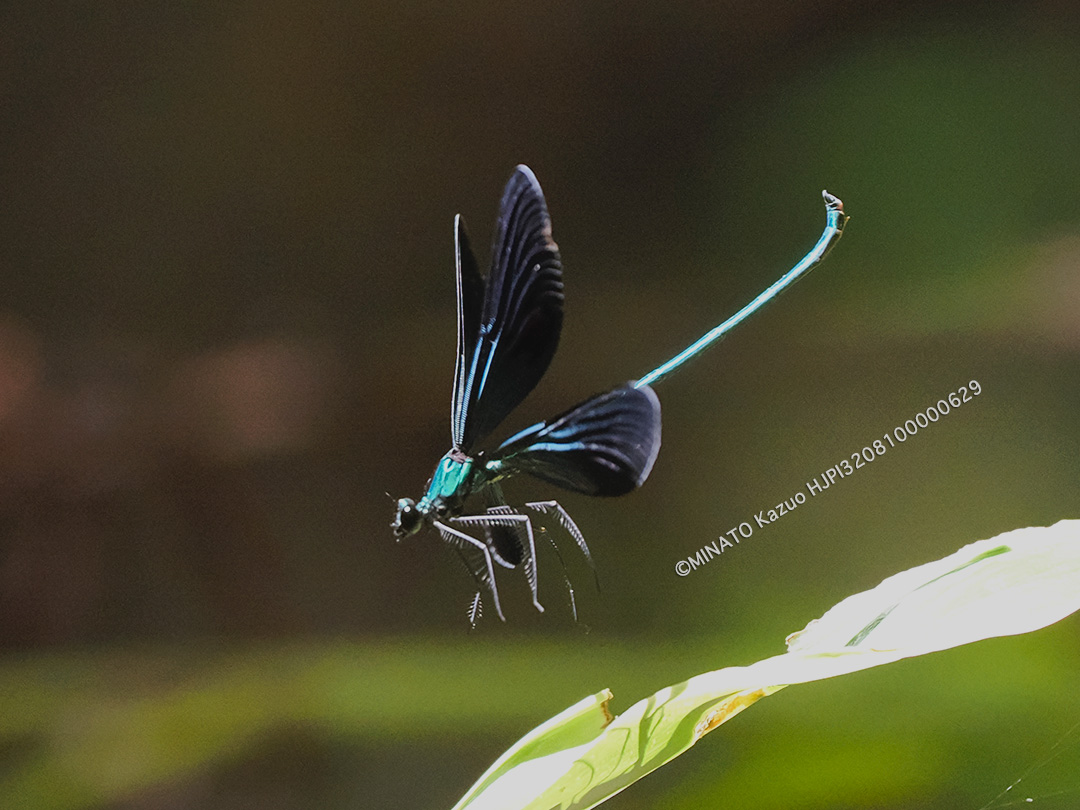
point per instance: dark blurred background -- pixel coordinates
(227, 332)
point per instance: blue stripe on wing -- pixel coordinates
(605, 445)
(506, 344)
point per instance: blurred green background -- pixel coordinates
(227, 330)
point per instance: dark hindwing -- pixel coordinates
(506, 343)
(605, 445)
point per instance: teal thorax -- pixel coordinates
(456, 477)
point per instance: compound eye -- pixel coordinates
(408, 518)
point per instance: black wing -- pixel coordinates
(470, 300)
(505, 346)
(605, 445)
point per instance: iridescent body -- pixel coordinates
(508, 330)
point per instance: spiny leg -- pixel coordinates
(521, 534)
(462, 541)
(506, 542)
(476, 604)
(476, 610)
(565, 576)
(567, 522)
(498, 506)
(474, 562)
(503, 516)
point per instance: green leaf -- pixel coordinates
(1014, 583)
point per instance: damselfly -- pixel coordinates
(508, 327)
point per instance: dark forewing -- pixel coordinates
(606, 445)
(505, 351)
(470, 302)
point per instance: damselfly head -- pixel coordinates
(408, 518)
